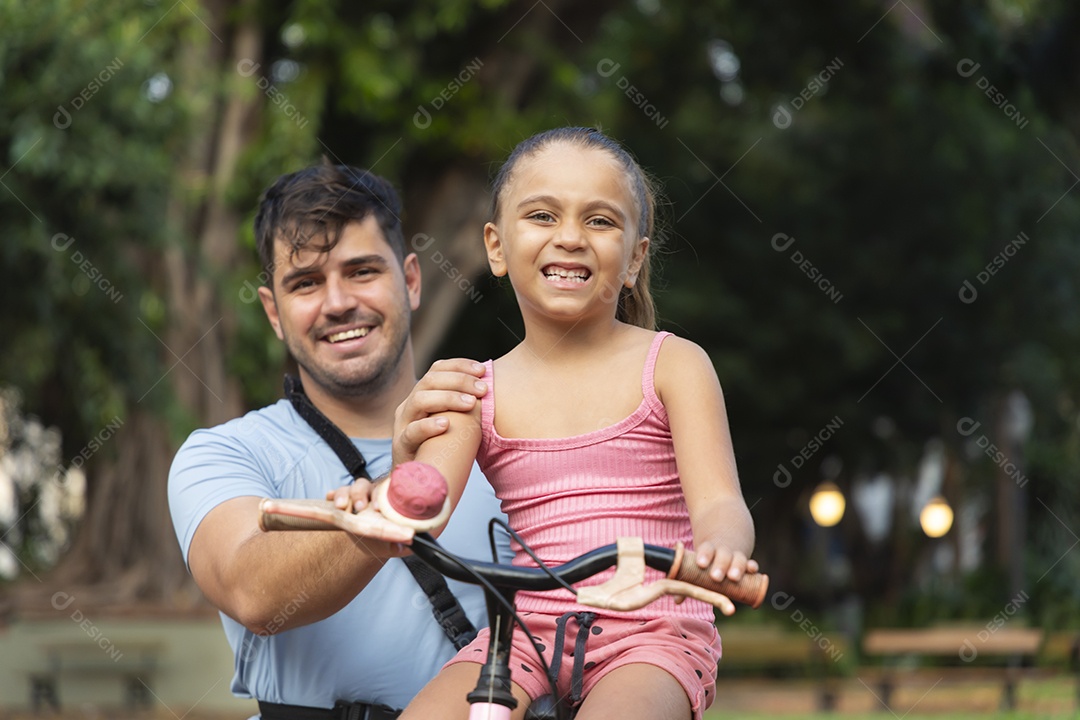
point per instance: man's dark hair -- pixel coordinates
(313, 205)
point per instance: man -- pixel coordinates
(315, 618)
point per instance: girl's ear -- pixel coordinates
(494, 250)
(637, 259)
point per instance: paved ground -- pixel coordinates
(756, 700)
(1049, 698)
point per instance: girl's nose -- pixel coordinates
(570, 236)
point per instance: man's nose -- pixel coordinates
(339, 296)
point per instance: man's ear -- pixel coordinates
(493, 243)
(411, 266)
(269, 304)
(637, 259)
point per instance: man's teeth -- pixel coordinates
(348, 334)
(563, 274)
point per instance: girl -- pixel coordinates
(595, 426)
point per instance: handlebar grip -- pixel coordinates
(750, 589)
(274, 521)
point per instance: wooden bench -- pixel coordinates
(134, 663)
(1061, 651)
(1002, 652)
(777, 652)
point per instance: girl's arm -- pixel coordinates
(452, 453)
(687, 385)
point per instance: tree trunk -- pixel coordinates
(451, 251)
(125, 555)
(447, 215)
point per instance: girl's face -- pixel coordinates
(567, 233)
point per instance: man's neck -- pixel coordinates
(366, 416)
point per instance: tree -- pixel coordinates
(139, 159)
(836, 178)
(212, 118)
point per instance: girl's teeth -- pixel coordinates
(567, 275)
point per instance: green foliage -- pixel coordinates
(898, 178)
(85, 169)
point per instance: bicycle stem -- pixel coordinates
(492, 698)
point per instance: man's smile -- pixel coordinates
(344, 335)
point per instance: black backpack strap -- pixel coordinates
(444, 606)
(338, 441)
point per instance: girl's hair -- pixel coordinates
(636, 306)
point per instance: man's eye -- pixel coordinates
(361, 272)
(303, 284)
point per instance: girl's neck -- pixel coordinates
(550, 339)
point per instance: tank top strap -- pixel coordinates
(487, 406)
(648, 375)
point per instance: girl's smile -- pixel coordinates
(566, 274)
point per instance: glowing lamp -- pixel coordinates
(827, 504)
(936, 518)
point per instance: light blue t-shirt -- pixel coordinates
(384, 645)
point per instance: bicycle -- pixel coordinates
(492, 698)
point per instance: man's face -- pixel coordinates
(344, 314)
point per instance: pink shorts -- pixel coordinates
(686, 648)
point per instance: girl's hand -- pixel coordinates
(721, 561)
(450, 385)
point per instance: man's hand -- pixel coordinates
(352, 498)
(449, 386)
(368, 524)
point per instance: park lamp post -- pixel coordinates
(827, 504)
(936, 517)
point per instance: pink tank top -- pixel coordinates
(567, 496)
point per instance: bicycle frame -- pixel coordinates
(492, 698)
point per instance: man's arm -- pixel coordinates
(254, 576)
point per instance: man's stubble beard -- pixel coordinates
(373, 378)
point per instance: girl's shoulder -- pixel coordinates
(682, 364)
(677, 347)
(634, 339)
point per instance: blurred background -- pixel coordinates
(870, 223)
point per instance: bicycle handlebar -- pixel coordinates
(680, 566)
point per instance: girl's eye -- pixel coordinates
(542, 216)
(602, 222)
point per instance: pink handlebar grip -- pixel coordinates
(416, 491)
(749, 589)
(414, 496)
